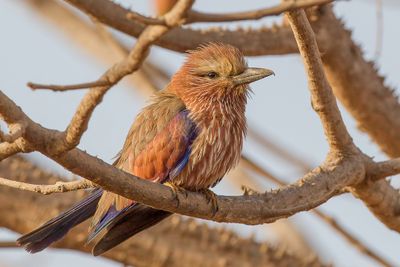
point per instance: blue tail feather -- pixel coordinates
(59, 226)
(133, 220)
(111, 215)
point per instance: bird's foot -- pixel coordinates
(176, 190)
(212, 198)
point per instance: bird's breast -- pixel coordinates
(216, 149)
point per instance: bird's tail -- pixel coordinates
(58, 227)
(132, 221)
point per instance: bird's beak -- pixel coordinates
(251, 75)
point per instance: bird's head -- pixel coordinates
(215, 71)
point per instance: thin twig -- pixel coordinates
(59, 187)
(8, 244)
(9, 149)
(60, 88)
(16, 130)
(196, 16)
(383, 169)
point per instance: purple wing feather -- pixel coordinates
(190, 136)
(181, 130)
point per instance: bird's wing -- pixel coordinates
(162, 158)
(167, 154)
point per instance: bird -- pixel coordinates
(188, 137)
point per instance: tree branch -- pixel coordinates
(355, 82)
(58, 187)
(387, 209)
(383, 201)
(174, 242)
(16, 130)
(310, 191)
(385, 169)
(322, 99)
(9, 149)
(59, 88)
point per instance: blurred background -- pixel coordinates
(33, 48)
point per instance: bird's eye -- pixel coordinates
(212, 75)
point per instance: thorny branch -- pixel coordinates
(354, 81)
(387, 208)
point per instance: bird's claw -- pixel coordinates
(176, 190)
(211, 198)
